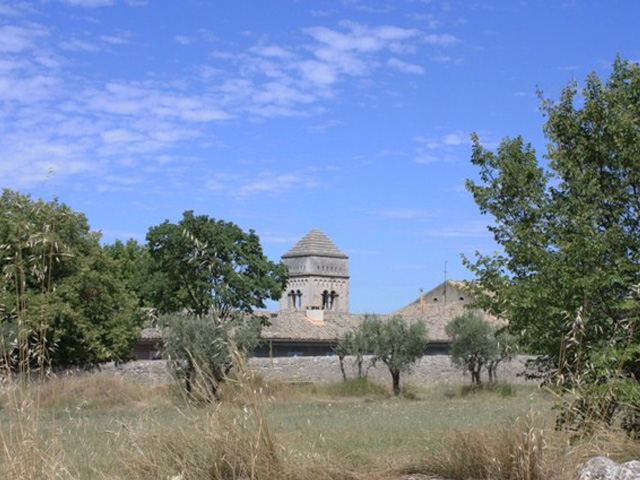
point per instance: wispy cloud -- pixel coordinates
(466, 229)
(55, 119)
(405, 66)
(89, 3)
(399, 213)
(443, 39)
(184, 39)
(443, 148)
(265, 183)
(14, 38)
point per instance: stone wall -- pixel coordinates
(430, 370)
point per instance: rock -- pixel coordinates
(602, 468)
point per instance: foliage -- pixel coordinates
(570, 234)
(505, 349)
(201, 349)
(472, 344)
(354, 343)
(476, 344)
(132, 266)
(59, 301)
(396, 343)
(209, 266)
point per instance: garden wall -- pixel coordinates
(430, 370)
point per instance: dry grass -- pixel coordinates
(86, 392)
(105, 427)
(526, 448)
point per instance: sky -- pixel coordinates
(350, 116)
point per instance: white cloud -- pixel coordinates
(400, 213)
(89, 3)
(116, 123)
(405, 66)
(80, 45)
(271, 184)
(454, 139)
(274, 51)
(467, 229)
(28, 90)
(117, 39)
(445, 148)
(361, 38)
(184, 39)
(15, 38)
(265, 183)
(442, 40)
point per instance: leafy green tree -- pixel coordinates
(474, 345)
(208, 266)
(57, 295)
(396, 343)
(132, 266)
(569, 229)
(201, 349)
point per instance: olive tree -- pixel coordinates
(477, 345)
(356, 344)
(201, 349)
(396, 343)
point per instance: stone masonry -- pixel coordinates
(429, 370)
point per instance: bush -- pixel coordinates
(201, 350)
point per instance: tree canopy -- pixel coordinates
(208, 266)
(569, 228)
(58, 297)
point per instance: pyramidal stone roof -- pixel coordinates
(315, 243)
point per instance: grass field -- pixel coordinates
(103, 427)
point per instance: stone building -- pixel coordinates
(314, 309)
(318, 275)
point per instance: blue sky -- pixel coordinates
(350, 116)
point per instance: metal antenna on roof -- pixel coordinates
(445, 281)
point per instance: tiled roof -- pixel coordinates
(438, 315)
(299, 326)
(151, 333)
(303, 326)
(315, 243)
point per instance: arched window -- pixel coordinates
(333, 300)
(298, 299)
(435, 299)
(325, 300)
(292, 300)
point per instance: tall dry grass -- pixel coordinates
(232, 441)
(527, 448)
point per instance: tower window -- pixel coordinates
(325, 300)
(292, 299)
(298, 301)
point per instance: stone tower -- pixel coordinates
(318, 275)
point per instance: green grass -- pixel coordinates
(390, 431)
